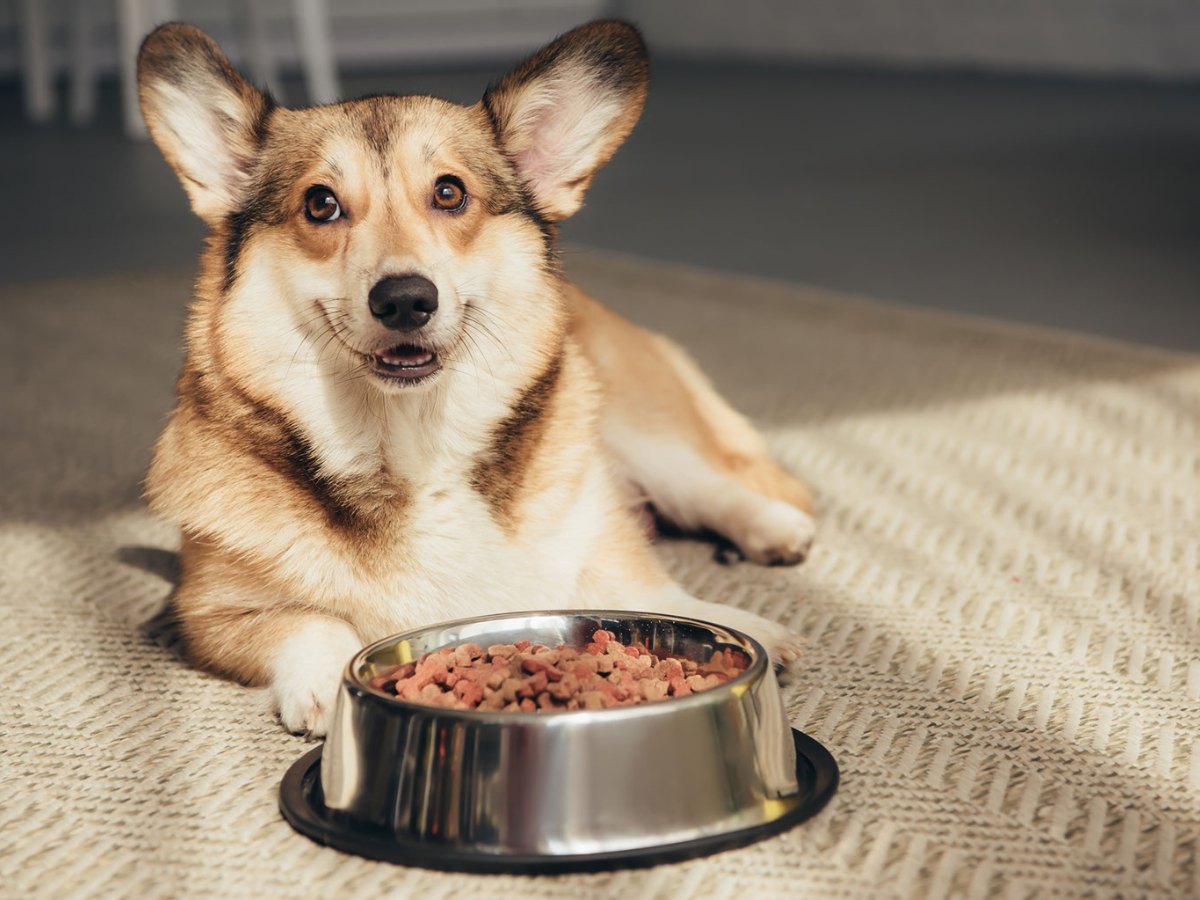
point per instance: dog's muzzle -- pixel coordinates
(404, 303)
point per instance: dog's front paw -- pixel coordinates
(783, 645)
(777, 534)
(307, 674)
(307, 710)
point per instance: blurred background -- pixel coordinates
(1033, 160)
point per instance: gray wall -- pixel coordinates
(1146, 38)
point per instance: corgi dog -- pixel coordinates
(394, 410)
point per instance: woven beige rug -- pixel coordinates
(1001, 612)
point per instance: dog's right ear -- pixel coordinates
(204, 117)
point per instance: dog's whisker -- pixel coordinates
(320, 313)
(471, 322)
(468, 336)
(332, 336)
(488, 333)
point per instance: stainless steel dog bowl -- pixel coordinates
(477, 790)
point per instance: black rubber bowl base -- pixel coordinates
(302, 804)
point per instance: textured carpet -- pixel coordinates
(1001, 611)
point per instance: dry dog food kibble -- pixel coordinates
(532, 677)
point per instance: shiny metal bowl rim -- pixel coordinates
(756, 669)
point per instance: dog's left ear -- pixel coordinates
(563, 112)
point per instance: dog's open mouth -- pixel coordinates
(405, 362)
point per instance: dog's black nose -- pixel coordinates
(403, 301)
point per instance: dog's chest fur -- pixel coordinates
(401, 514)
(456, 516)
(454, 558)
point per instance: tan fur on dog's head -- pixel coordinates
(523, 157)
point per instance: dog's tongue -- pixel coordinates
(406, 355)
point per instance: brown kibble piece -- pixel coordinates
(392, 674)
(534, 665)
(565, 689)
(533, 686)
(508, 690)
(430, 692)
(466, 654)
(592, 700)
(468, 692)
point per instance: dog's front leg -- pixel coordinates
(238, 625)
(297, 656)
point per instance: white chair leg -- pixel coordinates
(264, 68)
(135, 19)
(36, 76)
(131, 26)
(316, 50)
(83, 70)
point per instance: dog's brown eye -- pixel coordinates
(449, 194)
(320, 205)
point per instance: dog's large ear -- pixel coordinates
(563, 112)
(203, 115)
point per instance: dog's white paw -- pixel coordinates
(307, 673)
(308, 711)
(777, 534)
(783, 645)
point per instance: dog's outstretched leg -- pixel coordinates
(629, 575)
(700, 463)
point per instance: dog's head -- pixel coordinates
(390, 227)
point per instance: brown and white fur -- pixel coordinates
(338, 477)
